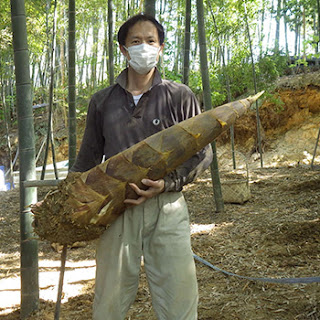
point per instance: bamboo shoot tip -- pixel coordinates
(256, 96)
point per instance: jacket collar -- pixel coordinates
(123, 76)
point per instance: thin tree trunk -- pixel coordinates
(315, 32)
(6, 120)
(48, 51)
(269, 28)
(228, 89)
(13, 110)
(261, 38)
(32, 75)
(104, 50)
(29, 246)
(178, 46)
(187, 37)
(110, 43)
(62, 69)
(255, 86)
(104, 67)
(41, 73)
(57, 69)
(163, 5)
(207, 102)
(286, 28)
(50, 111)
(36, 71)
(297, 40)
(87, 69)
(150, 7)
(94, 58)
(304, 34)
(72, 84)
(84, 57)
(277, 35)
(62, 46)
(62, 59)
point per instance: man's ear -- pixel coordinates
(123, 50)
(161, 48)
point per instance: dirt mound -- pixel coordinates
(287, 109)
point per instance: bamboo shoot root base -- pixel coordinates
(52, 219)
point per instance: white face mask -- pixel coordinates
(143, 57)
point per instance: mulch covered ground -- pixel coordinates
(275, 234)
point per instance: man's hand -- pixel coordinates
(155, 187)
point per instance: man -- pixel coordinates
(156, 224)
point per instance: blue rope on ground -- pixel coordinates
(271, 280)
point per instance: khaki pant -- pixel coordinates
(159, 230)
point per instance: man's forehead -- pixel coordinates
(143, 29)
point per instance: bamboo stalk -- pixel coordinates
(215, 175)
(28, 245)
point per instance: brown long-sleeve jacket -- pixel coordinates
(114, 123)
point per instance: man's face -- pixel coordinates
(142, 32)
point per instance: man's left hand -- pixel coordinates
(155, 188)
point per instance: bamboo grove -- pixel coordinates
(279, 29)
(236, 33)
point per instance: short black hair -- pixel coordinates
(123, 31)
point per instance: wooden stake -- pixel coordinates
(62, 269)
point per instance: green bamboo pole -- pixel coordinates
(72, 84)
(72, 131)
(110, 43)
(187, 37)
(29, 246)
(6, 113)
(150, 7)
(255, 85)
(208, 104)
(49, 140)
(228, 88)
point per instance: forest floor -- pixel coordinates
(275, 234)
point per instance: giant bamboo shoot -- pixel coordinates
(86, 203)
